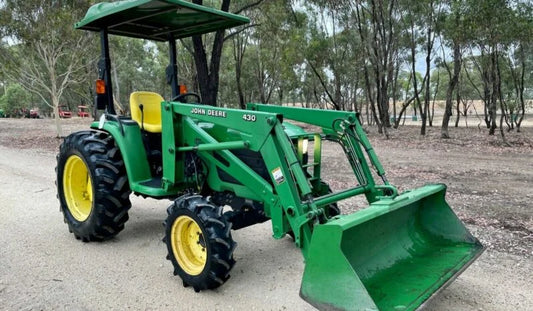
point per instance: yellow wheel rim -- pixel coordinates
(77, 188)
(188, 245)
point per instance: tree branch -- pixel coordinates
(248, 6)
(229, 36)
(322, 82)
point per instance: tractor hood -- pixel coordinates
(157, 20)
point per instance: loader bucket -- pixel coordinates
(393, 255)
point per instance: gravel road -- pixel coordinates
(43, 267)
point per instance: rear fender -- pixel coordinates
(131, 147)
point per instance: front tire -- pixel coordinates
(332, 209)
(199, 243)
(92, 185)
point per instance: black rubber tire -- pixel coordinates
(219, 245)
(332, 209)
(110, 187)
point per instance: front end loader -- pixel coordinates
(226, 169)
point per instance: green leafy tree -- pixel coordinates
(208, 64)
(15, 100)
(421, 19)
(137, 67)
(48, 55)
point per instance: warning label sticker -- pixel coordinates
(278, 175)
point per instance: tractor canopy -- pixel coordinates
(157, 20)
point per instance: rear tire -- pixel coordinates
(92, 185)
(199, 243)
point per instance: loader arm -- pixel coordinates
(286, 202)
(288, 195)
(345, 128)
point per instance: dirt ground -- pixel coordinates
(42, 266)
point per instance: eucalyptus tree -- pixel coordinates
(333, 54)
(137, 65)
(293, 39)
(491, 24)
(269, 41)
(404, 86)
(49, 53)
(421, 22)
(520, 60)
(257, 54)
(14, 100)
(240, 44)
(454, 36)
(377, 25)
(208, 63)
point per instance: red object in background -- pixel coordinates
(64, 112)
(34, 113)
(83, 112)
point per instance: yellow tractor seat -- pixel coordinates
(146, 110)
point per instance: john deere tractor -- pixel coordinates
(226, 169)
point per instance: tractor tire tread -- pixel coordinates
(220, 245)
(110, 185)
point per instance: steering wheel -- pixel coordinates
(180, 97)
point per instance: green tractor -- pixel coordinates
(227, 169)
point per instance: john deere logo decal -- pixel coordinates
(209, 112)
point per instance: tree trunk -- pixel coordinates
(239, 47)
(451, 87)
(55, 103)
(402, 111)
(434, 98)
(367, 112)
(375, 26)
(522, 101)
(208, 75)
(395, 95)
(415, 81)
(502, 104)
(457, 106)
(429, 49)
(485, 77)
(519, 86)
(242, 104)
(493, 92)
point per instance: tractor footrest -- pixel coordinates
(152, 183)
